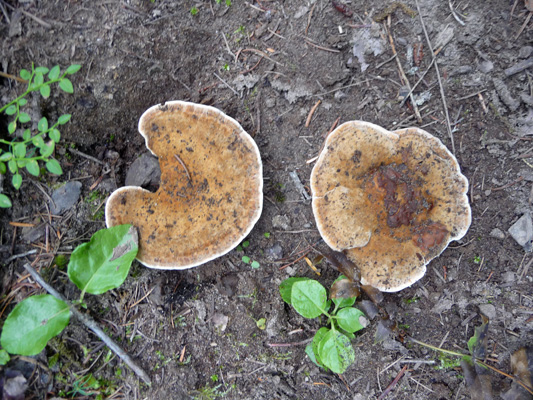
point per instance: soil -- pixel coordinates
(266, 64)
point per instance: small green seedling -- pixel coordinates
(31, 148)
(245, 259)
(331, 347)
(194, 11)
(228, 2)
(95, 267)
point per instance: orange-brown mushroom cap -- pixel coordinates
(392, 201)
(210, 194)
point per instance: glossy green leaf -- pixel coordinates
(32, 323)
(62, 120)
(309, 298)
(25, 74)
(38, 141)
(42, 70)
(3, 168)
(351, 319)
(73, 69)
(26, 135)
(55, 135)
(54, 73)
(22, 162)
(319, 335)
(33, 167)
(339, 288)
(103, 263)
(4, 357)
(46, 150)
(66, 85)
(336, 351)
(24, 117)
(19, 150)
(38, 79)
(43, 124)
(22, 102)
(285, 288)
(53, 167)
(16, 181)
(12, 127)
(45, 91)
(311, 354)
(6, 156)
(12, 166)
(4, 201)
(11, 110)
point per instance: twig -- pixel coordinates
(309, 19)
(454, 13)
(321, 47)
(290, 344)
(37, 19)
(404, 77)
(343, 87)
(519, 67)
(523, 25)
(225, 83)
(261, 53)
(9, 76)
(470, 95)
(227, 47)
(79, 153)
(310, 116)
(184, 167)
(92, 325)
(251, 69)
(418, 82)
(448, 124)
(15, 256)
(393, 383)
(520, 179)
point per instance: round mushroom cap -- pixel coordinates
(211, 189)
(392, 201)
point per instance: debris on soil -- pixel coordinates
(522, 232)
(65, 197)
(144, 172)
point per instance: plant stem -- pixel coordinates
(92, 325)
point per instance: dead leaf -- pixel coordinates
(344, 288)
(522, 367)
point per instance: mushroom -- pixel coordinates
(391, 201)
(210, 194)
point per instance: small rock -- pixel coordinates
(33, 235)
(525, 51)
(65, 197)
(220, 321)
(144, 171)
(488, 310)
(509, 277)
(486, 66)
(290, 271)
(281, 222)
(274, 252)
(497, 233)
(522, 231)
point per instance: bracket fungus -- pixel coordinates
(211, 189)
(391, 201)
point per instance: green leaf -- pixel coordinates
(245, 244)
(103, 263)
(3, 168)
(21, 162)
(4, 357)
(55, 135)
(351, 319)
(311, 354)
(38, 141)
(24, 117)
(12, 165)
(45, 91)
(11, 110)
(285, 288)
(255, 264)
(62, 120)
(336, 351)
(341, 302)
(245, 259)
(73, 69)
(12, 127)
(16, 181)
(53, 167)
(46, 150)
(38, 79)
(32, 323)
(43, 124)
(42, 70)
(33, 167)
(319, 335)
(19, 150)
(4, 201)
(309, 298)
(66, 85)
(22, 102)
(54, 73)
(26, 135)
(25, 74)
(477, 344)
(6, 156)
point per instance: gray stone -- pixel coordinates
(488, 310)
(525, 51)
(144, 171)
(497, 233)
(65, 197)
(485, 66)
(274, 252)
(522, 231)
(281, 222)
(509, 277)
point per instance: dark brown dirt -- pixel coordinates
(266, 64)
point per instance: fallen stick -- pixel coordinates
(92, 325)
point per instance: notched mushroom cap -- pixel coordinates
(210, 194)
(392, 201)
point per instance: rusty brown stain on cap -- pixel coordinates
(392, 201)
(210, 194)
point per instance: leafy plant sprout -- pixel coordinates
(30, 148)
(331, 347)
